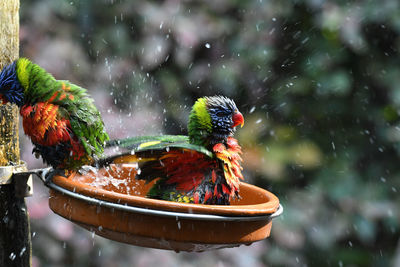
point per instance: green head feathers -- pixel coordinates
(23, 66)
(199, 126)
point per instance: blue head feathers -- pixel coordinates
(10, 87)
(223, 113)
(221, 110)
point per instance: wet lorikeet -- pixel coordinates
(203, 167)
(64, 125)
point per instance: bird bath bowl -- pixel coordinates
(112, 204)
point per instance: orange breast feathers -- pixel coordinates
(43, 124)
(230, 156)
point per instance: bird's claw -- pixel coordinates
(48, 174)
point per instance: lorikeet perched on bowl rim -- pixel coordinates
(203, 167)
(64, 125)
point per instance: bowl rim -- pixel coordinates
(74, 188)
(154, 212)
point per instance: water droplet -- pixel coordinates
(22, 251)
(12, 256)
(271, 31)
(305, 40)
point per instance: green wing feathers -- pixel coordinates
(153, 143)
(85, 119)
(142, 141)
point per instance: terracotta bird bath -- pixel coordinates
(111, 203)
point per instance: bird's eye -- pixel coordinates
(220, 114)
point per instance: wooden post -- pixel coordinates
(15, 243)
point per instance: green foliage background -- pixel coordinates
(317, 81)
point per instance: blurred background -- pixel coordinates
(317, 81)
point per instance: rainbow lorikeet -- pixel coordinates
(64, 125)
(203, 167)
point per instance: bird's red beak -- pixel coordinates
(237, 119)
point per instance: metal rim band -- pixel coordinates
(177, 215)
